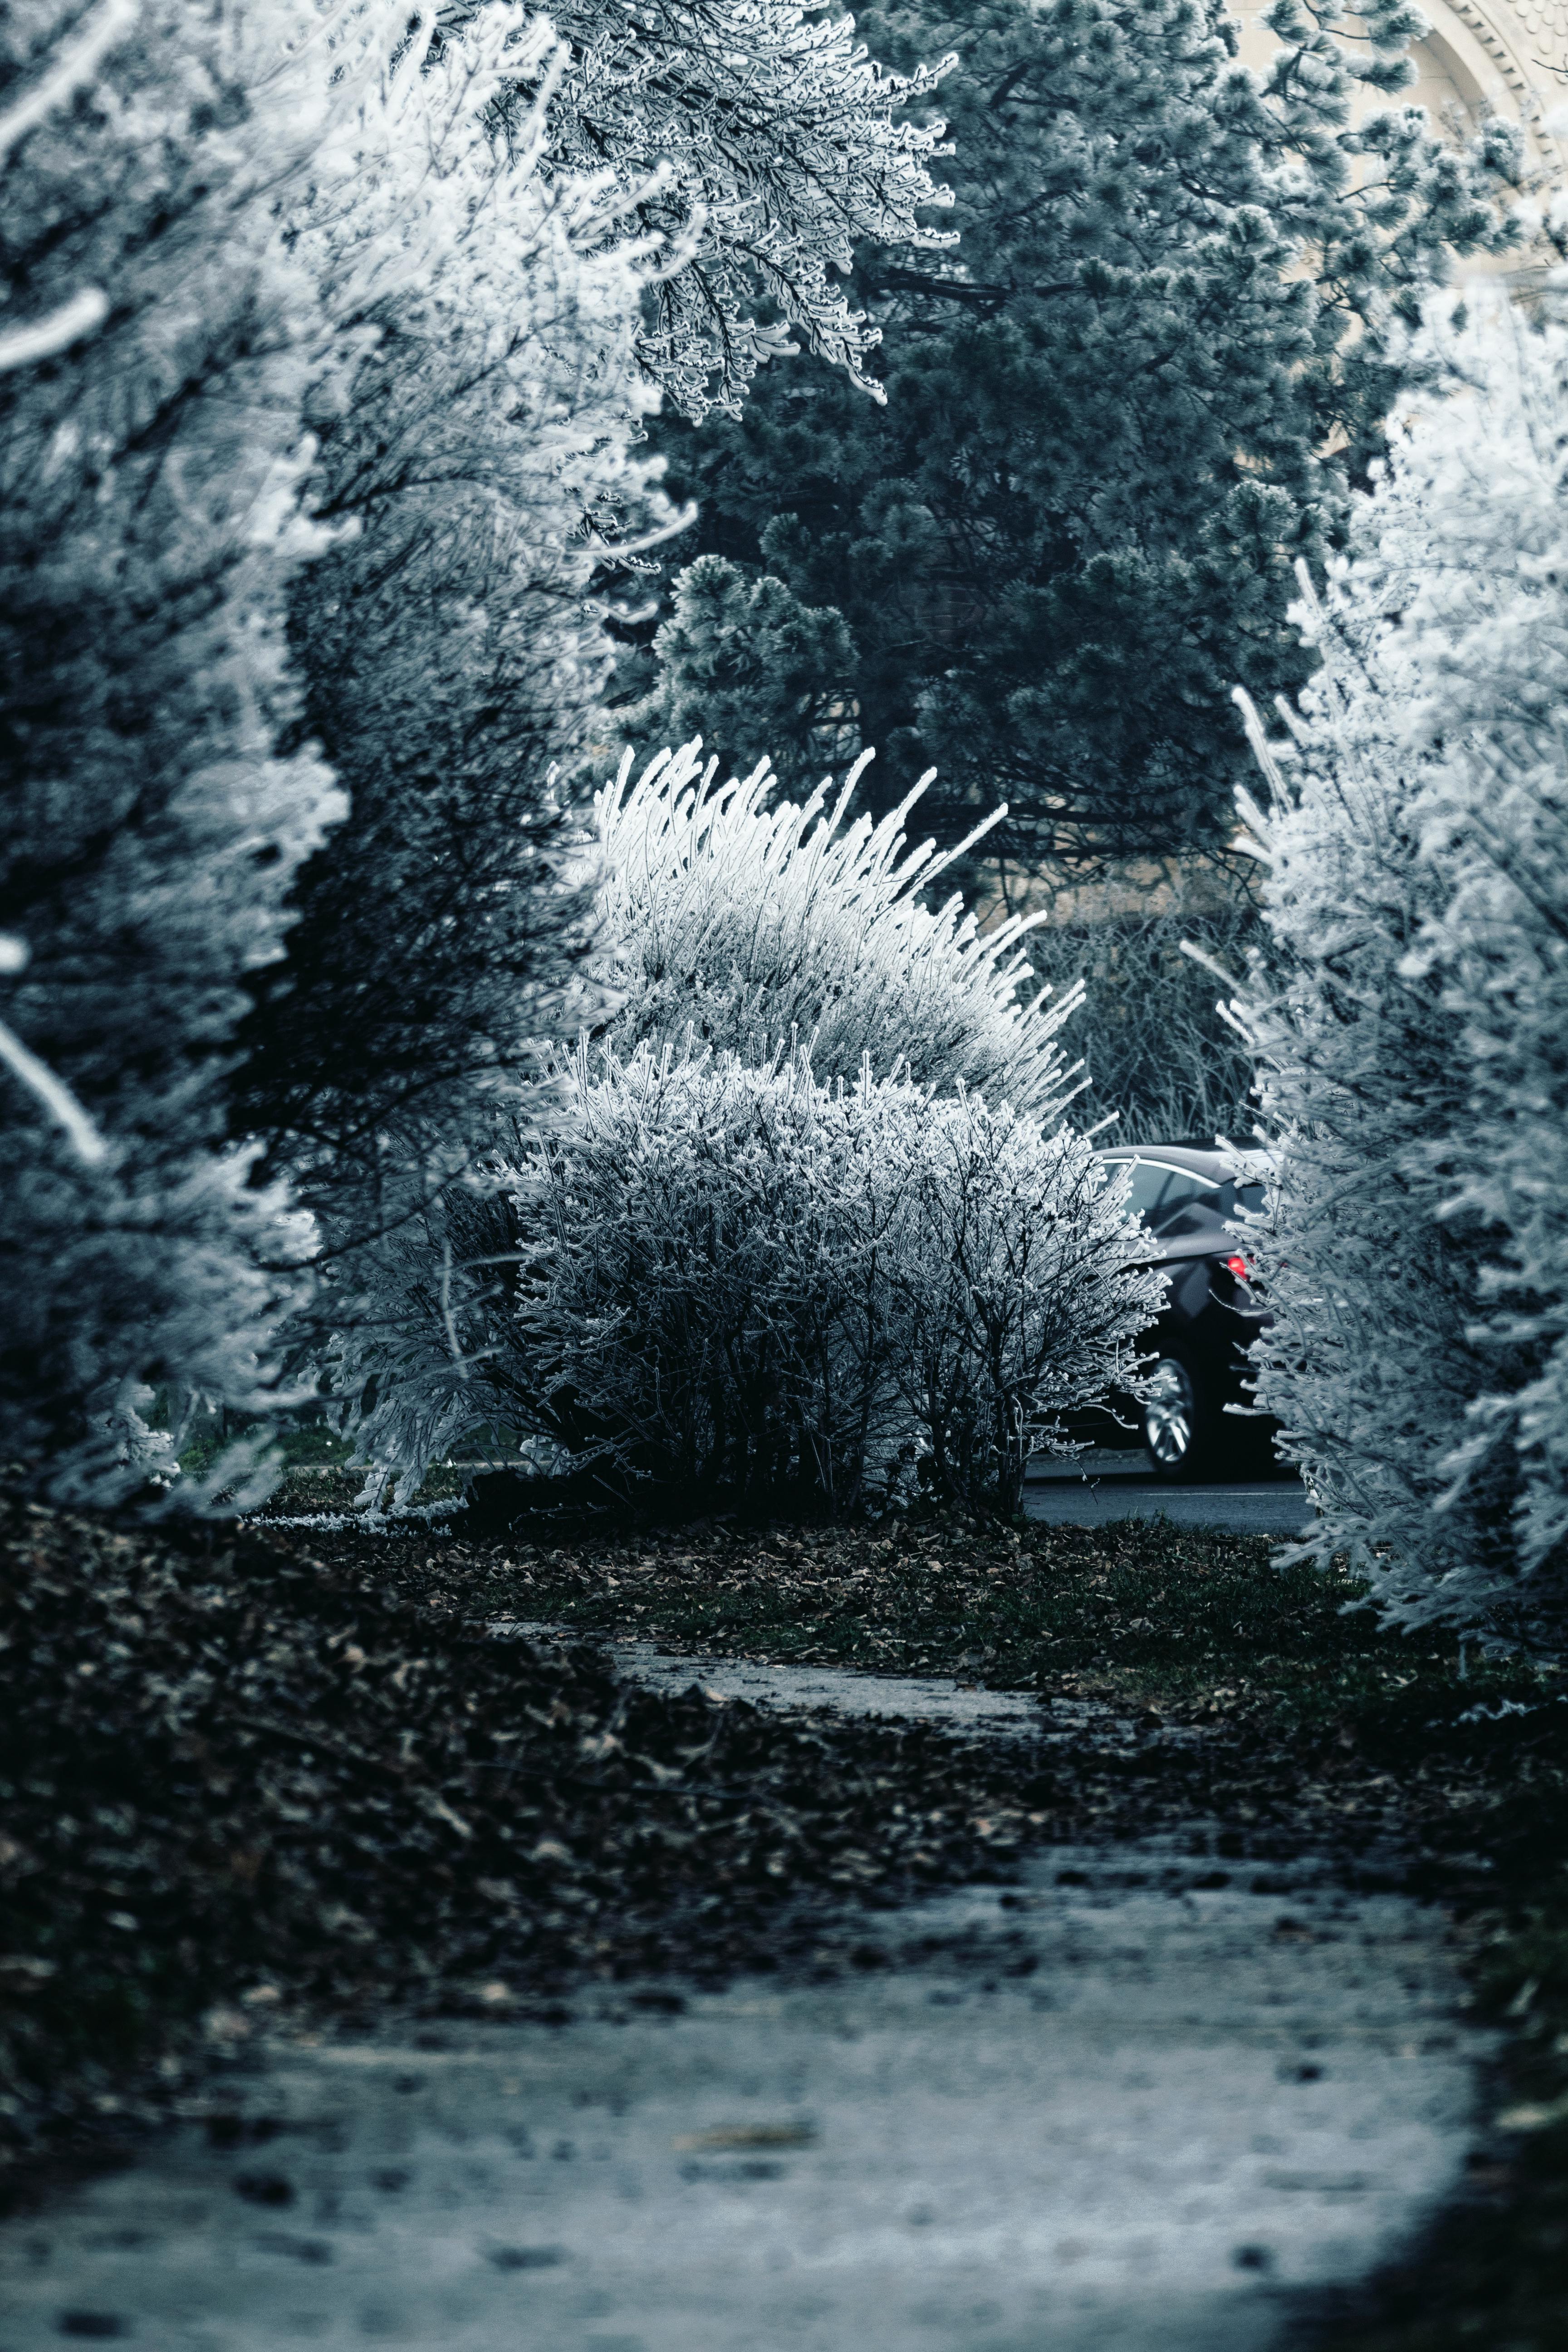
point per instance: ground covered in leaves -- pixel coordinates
(237, 1773)
(1199, 1624)
(1441, 1764)
(277, 1770)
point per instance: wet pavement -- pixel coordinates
(838, 1690)
(1138, 2102)
(963, 1708)
(1106, 1485)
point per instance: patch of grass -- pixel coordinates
(317, 1474)
(300, 1445)
(1194, 1623)
(312, 1441)
(305, 1490)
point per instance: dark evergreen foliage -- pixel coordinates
(755, 673)
(1116, 412)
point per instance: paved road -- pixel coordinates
(1110, 1485)
(1137, 2103)
(1102, 1485)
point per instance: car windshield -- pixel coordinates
(1159, 1190)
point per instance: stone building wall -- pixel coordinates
(1507, 58)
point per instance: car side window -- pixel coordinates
(1157, 1192)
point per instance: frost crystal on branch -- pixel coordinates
(754, 142)
(755, 926)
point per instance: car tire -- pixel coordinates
(1177, 1415)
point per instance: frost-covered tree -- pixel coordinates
(1487, 623)
(756, 142)
(1412, 1025)
(474, 466)
(159, 341)
(1362, 1080)
(1118, 408)
(537, 237)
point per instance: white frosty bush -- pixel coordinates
(753, 928)
(1369, 1367)
(738, 1278)
(705, 1294)
(1017, 1302)
(806, 1210)
(1414, 1025)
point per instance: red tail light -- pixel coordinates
(1238, 1266)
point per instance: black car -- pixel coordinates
(1188, 1198)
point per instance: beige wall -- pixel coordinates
(1505, 56)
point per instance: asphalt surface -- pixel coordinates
(1100, 1487)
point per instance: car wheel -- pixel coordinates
(1175, 1417)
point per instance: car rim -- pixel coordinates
(1169, 1413)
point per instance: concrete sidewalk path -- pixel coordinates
(1136, 2103)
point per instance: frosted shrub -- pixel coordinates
(664, 1227)
(728, 1277)
(772, 1172)
(740, 1278)
(755, 926)
(1016, 1302)
(1478, 530)
(1413, 1027)
(706, 1295)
